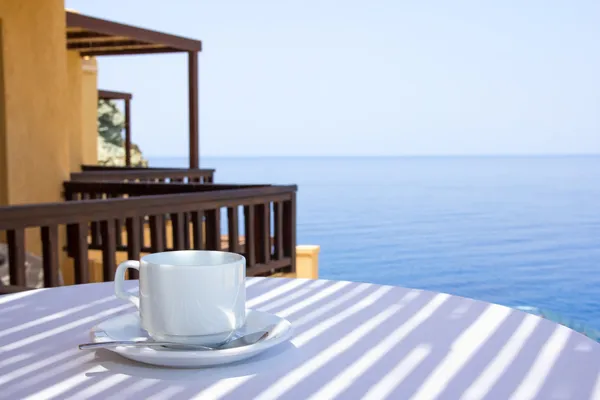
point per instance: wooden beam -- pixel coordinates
(124, 47)
(112, 95)
(110, 44)
(127, 51)
(88, 37)
(109, 28)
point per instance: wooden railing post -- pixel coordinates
(50, 255)
(279, 236)
(213, 229)
(134, 243)
(250, 235)
(233, 229)
(16, 257)
(82, 271)
(263, 233)
(186, 230)
(289, 229)
(95, 227)
(157, 223)
(118, 223)
(71, 239)
(177, 231)
(198, 237)
(109, 243)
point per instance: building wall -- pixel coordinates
(35, 120)
(89, 104)
(3, 160)
(83, 97)
(75, 95)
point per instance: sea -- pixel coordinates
(518, 231)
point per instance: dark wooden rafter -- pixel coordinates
(91, 37)
(89, 34)
(126, 52)
(105, 45)
(112, 95)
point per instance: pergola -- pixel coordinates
(126, 97)
(97, 37)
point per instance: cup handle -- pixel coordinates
(120, 280)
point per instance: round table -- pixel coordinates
(351, 340)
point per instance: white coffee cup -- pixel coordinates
(189, 296)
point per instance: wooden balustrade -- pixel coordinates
(88, 167)
(132, 174)
(84, 190)
(199, 211)
(104, 190)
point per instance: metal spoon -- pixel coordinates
(245, 340)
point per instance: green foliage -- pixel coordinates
(111, 122)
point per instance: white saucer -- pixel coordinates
(127, 327)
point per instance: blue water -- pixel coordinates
(519, 231)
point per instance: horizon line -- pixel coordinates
(380, 155)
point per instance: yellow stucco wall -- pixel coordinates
(83, 97)
(307, 261)
(89, 106)
(3, 161)
(75, 93)
(36, 123)
(36, 115)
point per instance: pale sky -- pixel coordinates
(377, 77)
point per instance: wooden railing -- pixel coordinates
(85, 167)
(108, 190)
(83, 190)
(132, 174)
(260, 206)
